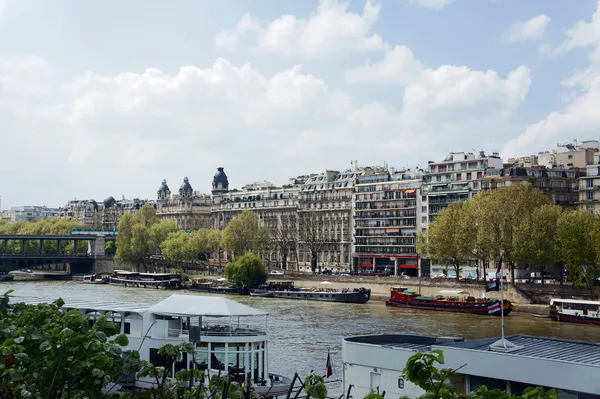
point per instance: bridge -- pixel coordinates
(36, 250)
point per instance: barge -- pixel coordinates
(575, 311)
(218, 286)
(286, 289)
(164, 281)
(449, 301)
(230, 338)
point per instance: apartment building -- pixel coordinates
(589, 187)
(457, 178)
(110, 210)
(326, 202)
(82, 211)
(29, 213)
(387, 209)
(560, 184)
(189, 209)
(276, 208)
(576, 154)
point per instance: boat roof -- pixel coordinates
(198, 305)
(562, 300)
(453, 292)
(175, 305)
(125, 272)
(541, 348)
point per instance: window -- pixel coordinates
(424, 219)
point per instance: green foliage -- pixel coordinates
(207, 242)
(110, 248)
(50, 226)
(177, 247)
(421, 370)
(141, 235)
(314, 386)
(247, 270)
(449, 238)
(245, 234)
(577, 233)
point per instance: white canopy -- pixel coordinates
(453, 292)
(198, 305)
(325, 282)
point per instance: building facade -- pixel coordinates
(589, 187)
(326, 203)
(110, 210)
(82, 211)
(457, 178)
(29, 213)
(189, 209)
(275, 206)
(560, 184)
(387, 218)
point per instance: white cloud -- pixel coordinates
(398, 65)
(123, 133)
(531, 29)
(580, 117)
(433, 4)
(330, 29)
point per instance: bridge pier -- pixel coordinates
(96, 247)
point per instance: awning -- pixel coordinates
(412, 190)
(366, 265)
(389, 230)
(405, 266)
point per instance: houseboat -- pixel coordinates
(449, 301)
(230, 338)
(218, 286)
(575, 311)
(95, 279)
(286, 289)
(165, 281)
(510, 364)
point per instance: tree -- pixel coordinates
(480, 221)
(422, 371)
(284, 235)
(244, 233)
(47, 352)
(159, 232)
(110, 248)
(247, 270)
(207, 242)
(507, 208)
(577, 245)
(146, 216)
(449, 239)
(536, 238)
(312, 235)
(177, 248)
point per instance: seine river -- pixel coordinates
(301, 332)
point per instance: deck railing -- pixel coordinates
(218, 332)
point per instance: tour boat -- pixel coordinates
(449, 301)
(217, 286)
(165, 281)
(230, 338)
(575, 311)
(95, 279)
(286, 289)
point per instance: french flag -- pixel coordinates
(495, 308)
(329, 368)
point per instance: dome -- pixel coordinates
(94, 204)
(220, 181)
(109, 202)
(163, 187)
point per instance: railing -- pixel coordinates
(94, 230)
(218, 332)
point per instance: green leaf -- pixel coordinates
(20, 339)
(45, 346)
(122, 340)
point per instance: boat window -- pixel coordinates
(158, 360)
(491, 383)
(202, 355)
(127, 328)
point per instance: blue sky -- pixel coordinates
(108, 98)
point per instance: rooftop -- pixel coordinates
(540, 348)
(417, 343)
(174, 305)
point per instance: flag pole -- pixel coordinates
(502, 302)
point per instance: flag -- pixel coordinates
(493, 286)
(329, 368)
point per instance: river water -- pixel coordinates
(301, 332)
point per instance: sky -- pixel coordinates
(108, 98)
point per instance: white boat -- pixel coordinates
(575, 311)
(164, 281)
(94, 279)
(230, 338)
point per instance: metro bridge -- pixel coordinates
(34, 252)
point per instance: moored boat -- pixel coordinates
(449, 301)
(230, 339)
(575, 311)
(95, 279)
(286, 289)
(165, 281)
(218, 286)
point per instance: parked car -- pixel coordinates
(277, 272)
